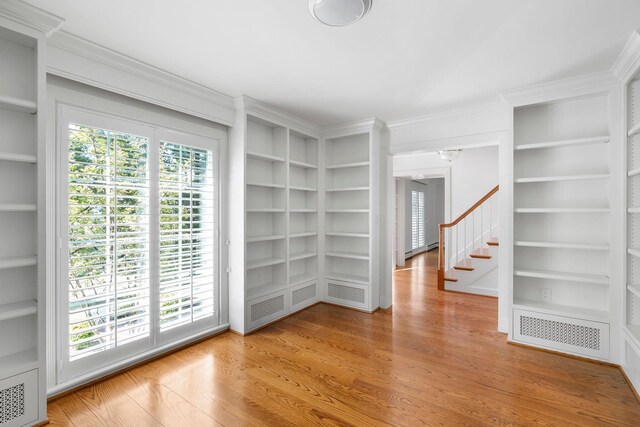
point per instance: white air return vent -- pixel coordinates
(304, 296)
(581, 337)
(18, 399)
(264, 310)
(348, 294)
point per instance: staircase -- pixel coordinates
(468, 249)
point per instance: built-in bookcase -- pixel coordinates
(561, 264)
(22, 257)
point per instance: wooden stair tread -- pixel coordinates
(465, 264)
(450, 276)
(493, 242)
(482, 253)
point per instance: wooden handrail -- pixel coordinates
(452, 224)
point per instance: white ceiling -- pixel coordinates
(405, 59)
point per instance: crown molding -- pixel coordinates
(352, 128)
(449, 115)
(588, 84)
(273, 114)
(31, 16)
(628, 62)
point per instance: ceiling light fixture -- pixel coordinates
(449, 155)
(338, 13)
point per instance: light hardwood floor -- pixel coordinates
(434, 359)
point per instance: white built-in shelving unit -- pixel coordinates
(562, 225)
(22, 213)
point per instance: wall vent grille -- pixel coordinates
(560, 332)
(303, 294)
(346, 293)
(11, 403)
(267, 308)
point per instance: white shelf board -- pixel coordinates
(348, 278)
(334, 190)
(18, 208)
(302, 255)
(347, 255)
(262, 156)
(13, 157)
(15, 262)
(19, 362)
(303, 210)
(559, 275)
(562, 245)
(18, 309)
(302, 278)
(17, 104)
(562, 310)
(634, 289)
(266, 210)
(348, 165)
(563, 143)
(634, 332)
(634, 172)
(634, 130)
(263, 290)
(633, 210)
(562, 178)
(634, 252)
(303, 234)
(347, 210)
(303, 165)
(294, 187)
(264, 184)
(265, 262)
(344, 234)
(561, 210)
(265, 238)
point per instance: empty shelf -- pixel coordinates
(634, 172)
(265, 262)
(263, 290)
(347, 255)
(634, 130)
(634, 332)
(264, 184)
(15, 262)
(266, 210)
(253, 239)
(348, 165)
(634, 289)
(17, 104)
(262, 156)
(564, 143)
(634, 252)
(12, 157)
(347, 210)
(18, 208)
(18, 309)
(559, 275)
(303, 234)
(293, 187)
(563, 245)
(303, 210)
(562, 178)
(333, 190)
(302, 255)
(562, 310)
(304, 165)
(633, 210)
(22, 361)
(302, 278)
(348, 278)
(343, 234)
(561, 210)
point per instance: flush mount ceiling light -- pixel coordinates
(449, 155)
(338, 13)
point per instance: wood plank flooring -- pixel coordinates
(435, 358)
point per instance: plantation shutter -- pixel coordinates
(187, 234)
(417, 220)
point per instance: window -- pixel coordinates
(417, 219)
(139, 247)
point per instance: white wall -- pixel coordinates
(473, 174)
(434, 208)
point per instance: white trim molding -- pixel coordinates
(629, 60)
(352, 128)
(273, 114)
(30, 16)
(78, 59)
(587, 84)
